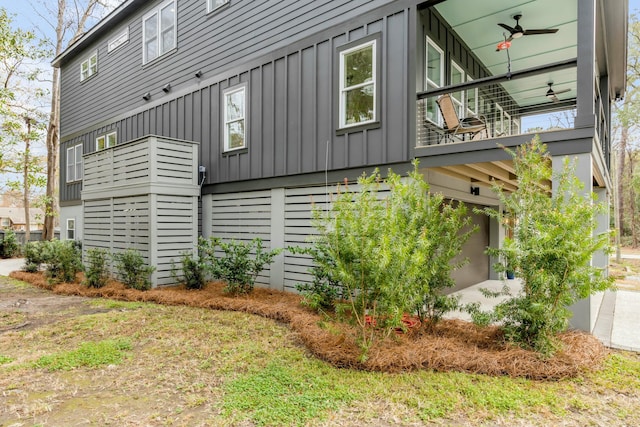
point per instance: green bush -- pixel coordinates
(33, 256)
(63, 260)
(551, 250)
(9, 246)
(96, 269)
(132, 269)
(392, 256)
(240, 264)
(193, 271)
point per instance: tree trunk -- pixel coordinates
(25, 178)
(622, 153)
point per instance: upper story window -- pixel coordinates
(159, 31)
(434, 78)
(235, 118)
(119, 40)
(74, 163)
(106, 141)
(457, 77)
(215, 4)
(89, 66)
(358, 85)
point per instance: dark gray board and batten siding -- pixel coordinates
(292, 97)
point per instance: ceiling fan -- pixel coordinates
(553, 94)
(517, 31)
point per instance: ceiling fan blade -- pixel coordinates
(508, 28)
(558, 92)
(536, 32)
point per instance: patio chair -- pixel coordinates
(453, 126)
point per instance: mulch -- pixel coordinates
(450, 345)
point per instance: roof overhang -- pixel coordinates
(116, 16)
(611, 49)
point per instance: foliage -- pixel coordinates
(325, 289)
(132, 269)
(9, 246)
(240, 264)
(550, 251)
(392, 256)
(63, 259)
(96, 269)
(33, 256)
(193, 271)
(88, 354)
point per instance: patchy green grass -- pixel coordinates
(147, 364)
(88, 354)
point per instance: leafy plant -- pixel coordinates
(392, 256)
(88, 354)
(33, 256)
(193, 271)
(240, 264)
(550, 251)
(97, 268)
(63, 260)
(323, 292)
(132, 269)
(9, 246)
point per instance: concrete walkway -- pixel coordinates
(617, 325)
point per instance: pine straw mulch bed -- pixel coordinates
(452, 345)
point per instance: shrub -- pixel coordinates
(193, 271)
(63, 260)
(550, 251)
(323, 292)
(240, 264)
(97, 268)
(33, 256)
(132, 269)
(392, 256)
(10, 247)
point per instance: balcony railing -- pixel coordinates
(521, 103)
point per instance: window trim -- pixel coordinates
(245, 114)
(458, 103)
(91, 70)
(375, 40)
(74, 150)
(212, 9)
(427, 81)
(158, 12)
(471, 111)
(105, 140)
(71, 229)
(122, 34)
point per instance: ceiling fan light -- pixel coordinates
(517, 34)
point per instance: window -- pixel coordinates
(89, 67)
(71, 229)
(234, 119)
(472, 100)
(506, 123)
(106, 141)
(159, 31)
(119, 40)
(215, 4)
(6, 222)
(457, 77)
(74, 163)
(434, 78)
(358, 81)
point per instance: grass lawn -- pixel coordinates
(103, 362)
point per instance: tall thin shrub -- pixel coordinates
(9, 246)
(96, 269)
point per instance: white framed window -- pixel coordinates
(89, 66)
(119, 40)
(358, 85)
(215, 4)
(506, 122)
(106, 141)
(434, 78)
(159, 34)
(458, 77)
(472, 100)
(235, 102)
(499, 121)
(71, 229)
(74, 163)
(515, 127)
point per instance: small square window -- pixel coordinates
(89, 67)
(106, 141)
(215, 4)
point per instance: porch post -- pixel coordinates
(585, 114)
(582, 316)
(600, 259)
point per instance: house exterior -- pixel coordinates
(257, 106)
(13, 218)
